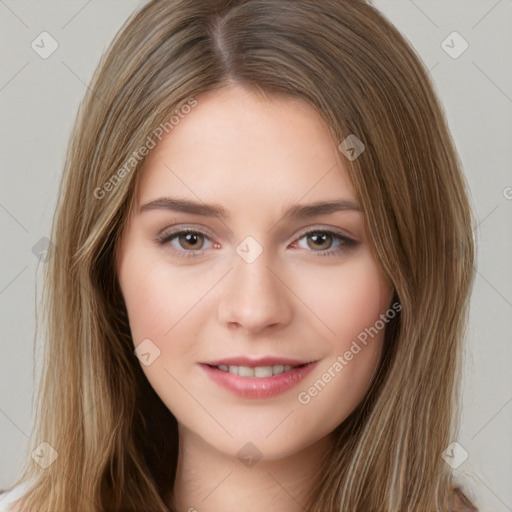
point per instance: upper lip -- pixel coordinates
(257, 361)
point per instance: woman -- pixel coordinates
(263, 265)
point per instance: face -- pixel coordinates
(261, 320)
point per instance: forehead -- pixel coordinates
(235, 145)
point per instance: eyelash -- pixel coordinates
(346, 243)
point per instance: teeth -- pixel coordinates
(244, 371)
(263, 371)
(257, 371)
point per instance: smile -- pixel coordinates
(257, 371)
(257, 381)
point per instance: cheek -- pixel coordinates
(356, 298)
(146, 297)
(158, 307)
(155, 296)
(347, 299)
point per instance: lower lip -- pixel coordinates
(256, 387)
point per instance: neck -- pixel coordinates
(208, 480)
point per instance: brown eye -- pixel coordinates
(320, 241)
(191, 240)
(185, 242)
(325, 243)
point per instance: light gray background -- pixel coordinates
(39, 99)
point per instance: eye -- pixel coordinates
(192, 242)
(189, 242)
(322, 242)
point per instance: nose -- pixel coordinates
(255, 296)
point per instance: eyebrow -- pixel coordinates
(216, 210)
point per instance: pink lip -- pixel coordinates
(255, 387)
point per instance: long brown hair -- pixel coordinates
(116, 441)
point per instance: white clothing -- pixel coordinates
(7, 498)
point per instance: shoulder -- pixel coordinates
(9, 497)
(459, 502)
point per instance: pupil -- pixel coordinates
(318, 239)
(191, 238)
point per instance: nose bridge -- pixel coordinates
(251, 261)
(253, 274)
(253, 296)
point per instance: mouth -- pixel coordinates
(263, 378)
(260, 372)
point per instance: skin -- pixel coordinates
(256, 158)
